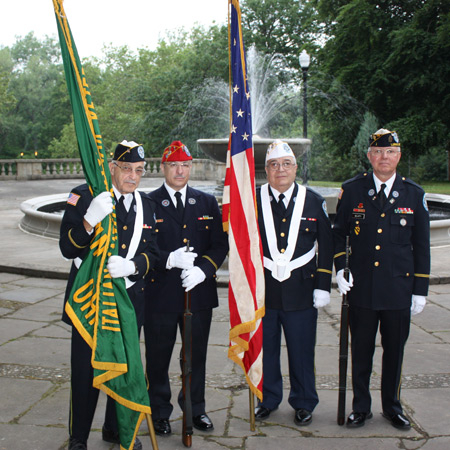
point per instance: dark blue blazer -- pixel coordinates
(296, 293)
(390, 246)
(74, 243)
(202, 226)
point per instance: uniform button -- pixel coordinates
(357, 222)
(407, 274)
(376, 263)
(284, 220)
(380, 230)
(156, 230)
(184, 226)
(307, 229)
(185, 240)
(383, 215)
(377, 247)
(125, 227)
(144, 240)
(282, 250)
(312, 275)
(207, 227)
(124, 246)
(282, 234)
(153, 280)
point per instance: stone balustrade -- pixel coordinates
(64, 168)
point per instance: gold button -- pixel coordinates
(307, 229)
(207, 227)
(282, 234)
(376, 264)
(312, 275)
(407, 274)
(284, 220)
(383, 215)
(185, 240)
(380, 230)
(377, 247)
(144, 240)
(357, 222)
(184, 226)
(124, 246)
(282, 250)
(156, 230)
(125, 227)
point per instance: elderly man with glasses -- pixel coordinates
(386, 217)
(298, 257)
(137, 254)
(183, 215)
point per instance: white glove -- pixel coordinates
(181, 258)
(120, 267)
(191, 277)
(343, 285)
(100, 207)
(418, 302)
(321, 298)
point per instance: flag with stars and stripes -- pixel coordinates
(246, 286)
(98, 305)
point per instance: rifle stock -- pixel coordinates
(343, 343)
(187, 369)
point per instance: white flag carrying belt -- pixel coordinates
(281, 265)
(137, 233)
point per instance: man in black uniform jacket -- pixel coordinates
(292, 221)
(386, 217)
(197, 220)
(136, 229)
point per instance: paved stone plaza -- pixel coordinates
(35, 368)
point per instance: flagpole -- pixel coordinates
(252, 410)
(151, 431)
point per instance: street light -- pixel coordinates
(304, 60)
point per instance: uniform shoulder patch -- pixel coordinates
(73, 199)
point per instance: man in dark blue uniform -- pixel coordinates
(294, 224)
(183, 214)
(386, 217)
(137, 255)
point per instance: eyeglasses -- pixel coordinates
(286, 165)
(140, 171)
(388, 152)
(175, 165)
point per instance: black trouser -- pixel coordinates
(394, 330)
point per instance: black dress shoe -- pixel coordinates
(202, 423)
(357, 419)
(162, 427)
(261, 412)
(398, 421)
(113, 437)
(75, 444)
(302, 417)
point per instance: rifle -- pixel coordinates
(343, 343)
(186, 370)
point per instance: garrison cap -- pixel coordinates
(278, 149)
(129, 151)
(176, 151)
(384, 138)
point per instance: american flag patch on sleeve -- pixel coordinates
(73, 199)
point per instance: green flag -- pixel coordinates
(99, 306)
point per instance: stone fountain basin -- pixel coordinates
(42, 215)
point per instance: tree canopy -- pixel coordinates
(373, 63)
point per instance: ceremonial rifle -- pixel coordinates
(343, 343)
(187, 368)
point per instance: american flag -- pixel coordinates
(246, 287)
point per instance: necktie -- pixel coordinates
(180, 206)
(382, 196)
(120, 207)
(281, 202)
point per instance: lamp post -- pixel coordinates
(304, 60)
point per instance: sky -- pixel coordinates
(136, 23)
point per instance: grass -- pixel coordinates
(435, 187)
